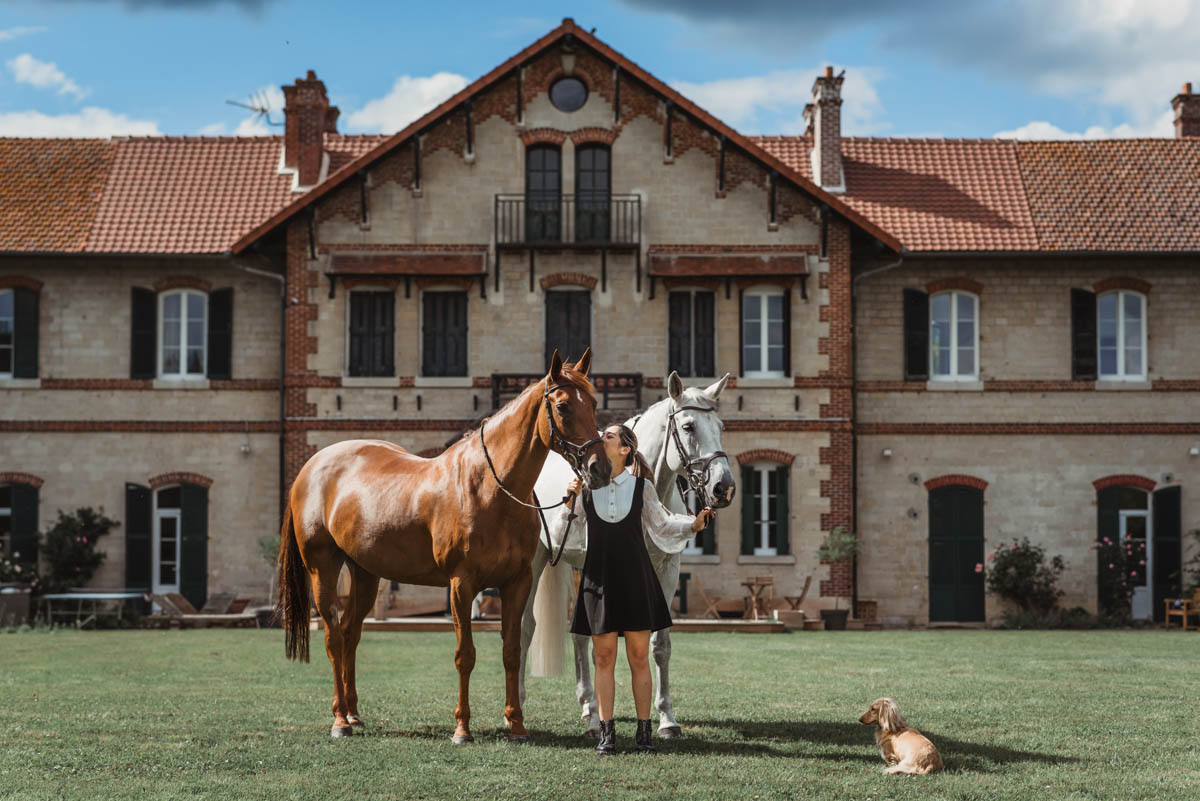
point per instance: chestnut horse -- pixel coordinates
(448, 521)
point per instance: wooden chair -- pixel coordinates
(710, 604)
(1182, 608)
(178, 611)
(794, 601)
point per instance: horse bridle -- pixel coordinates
(572, 453)
(695, 470)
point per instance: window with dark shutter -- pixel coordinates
(444, 334)
(143, 333)
(1083, 335)
(691, 336)
(220, 334)
(1167, 550)
(25, 333)
(193, 543)
(139, 531)
(22, 513)
(543, 193)
(568, 324)
(704, 332)
(750, 493)
(765, 511)
(372, 333)
(916, 335)
(592, 181)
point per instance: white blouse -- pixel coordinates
(670, 532)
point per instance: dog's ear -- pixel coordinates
(890, 719)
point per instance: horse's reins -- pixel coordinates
(695, 477)
(574, 454)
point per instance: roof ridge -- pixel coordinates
(197, 138)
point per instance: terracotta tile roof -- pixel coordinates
(1117, 194)
(49, 192)
(1121, 195)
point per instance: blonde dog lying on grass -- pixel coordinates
(905, 750)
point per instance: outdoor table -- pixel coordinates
(97, 604)
(755, 601)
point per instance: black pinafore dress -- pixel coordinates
(619, 591)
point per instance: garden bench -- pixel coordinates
(1182, 608)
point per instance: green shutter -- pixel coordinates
(787, 332)
(143, 334)
(783, 514)
(749, 498)
(1167, 552)
(220, 334)
(139, 528)
(25, 333)
(1108, 524)
(916, 335)
(25, 521)
(193, 547)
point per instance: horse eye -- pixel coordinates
(563, 408)
(689, 427)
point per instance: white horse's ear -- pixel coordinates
(714, 390)
(556, 365)
(675, 387)
(585, 363)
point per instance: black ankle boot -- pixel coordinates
(608, 738)
(644, 733)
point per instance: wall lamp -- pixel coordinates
(887, 453)
(1194, 450)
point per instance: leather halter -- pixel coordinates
(695, 470)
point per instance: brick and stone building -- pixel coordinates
(940, 344)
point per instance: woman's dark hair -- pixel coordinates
(630, 440)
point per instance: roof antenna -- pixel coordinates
(260, 105)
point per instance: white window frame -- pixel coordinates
(762, 293)
(1121, 374)
(761, 545)
(692, 290)
(156, 545)
(6, 511)
(12, 348)
(183, 375)
(954, 374)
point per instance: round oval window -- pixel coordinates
(568, 94)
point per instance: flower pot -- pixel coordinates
(14, 604)
(835, 619)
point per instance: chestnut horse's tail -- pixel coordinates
(295, 592)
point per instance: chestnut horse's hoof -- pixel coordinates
(462, 739)
(341, 731)
(356, 722)
(670, 732)
(520, 739)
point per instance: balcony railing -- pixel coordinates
(624, 389)
(594, 218)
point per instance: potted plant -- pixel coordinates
(839, 545)
(268, 551)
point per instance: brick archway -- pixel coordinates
(22, 478)
(182, 282)
(166, 479)
(956, 479)
(765, 455)
(568, 279)
(1125, 480)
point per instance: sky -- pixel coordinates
(1054, 69)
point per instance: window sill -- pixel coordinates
(766, 381)
(20, 383)
(181, 383)
(699, 559)
(388, 381)
(444, 381)
(1122, 385)
(787, 559)
(953, 385)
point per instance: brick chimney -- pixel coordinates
(824, 118)
(1187, 112)
(307, 116)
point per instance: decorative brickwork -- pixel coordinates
(841, 579)
(543, 136)
(957, 480)
(20, 281)
(765, 455)
(1092, 429)
(127, 384)
(947, 284)
(180, 478)
(21, 478)
(560, 279)
(137, 426)
(1121, 282)
(427, 281)
(711, 284)
(1124, 480)
(182, 282)
(584, 136)
(683, 247)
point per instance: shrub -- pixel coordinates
(1019, 573)
(1120, 566)
(69, 548)
(15, 571)
(839, 545)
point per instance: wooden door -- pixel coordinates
(955, 549)
(568, 324)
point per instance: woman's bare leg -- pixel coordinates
(604, 650)
(637, 651)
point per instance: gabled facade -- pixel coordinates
(569, 199)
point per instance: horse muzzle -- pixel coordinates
(599, 471)
(722, 494)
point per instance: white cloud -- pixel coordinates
(89, 122)
(1164, 126)
(409, 98)
(43, 75)
(767, 103)
(9, 34)
(213, 129)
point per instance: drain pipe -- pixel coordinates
(283, 304)
(854, 415)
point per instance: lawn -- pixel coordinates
(222, 715)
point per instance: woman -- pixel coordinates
(619, 593)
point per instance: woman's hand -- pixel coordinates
(575, 487)
(703, 519)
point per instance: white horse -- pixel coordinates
(679, 435)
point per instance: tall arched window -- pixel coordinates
(593, 181)
(1121, 335)
(543, 193)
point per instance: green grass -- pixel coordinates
(222, 715)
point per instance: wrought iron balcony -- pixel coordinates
(622, 388)
(591, 219)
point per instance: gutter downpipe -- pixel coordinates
(854, 414)
(282, 279)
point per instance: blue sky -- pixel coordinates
(1069, 68)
